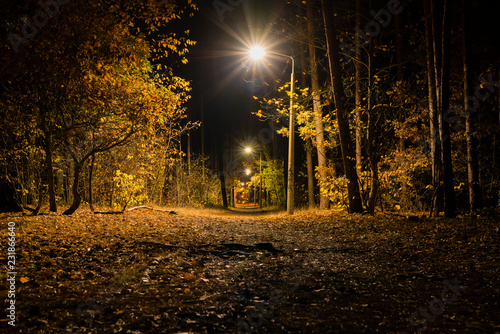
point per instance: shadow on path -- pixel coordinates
(251, 210)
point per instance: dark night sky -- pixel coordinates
(223, 83)
(222, 76)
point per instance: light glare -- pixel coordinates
(257, 52)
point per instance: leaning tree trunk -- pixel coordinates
(348, 152)
(77, 198)
(40, 197)
(317, 112)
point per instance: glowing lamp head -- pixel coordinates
(248, 171)
(248, 150)
(257, 52)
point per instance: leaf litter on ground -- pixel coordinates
(217, 271)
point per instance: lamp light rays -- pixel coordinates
(257, 52)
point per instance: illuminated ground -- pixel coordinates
(209, 271)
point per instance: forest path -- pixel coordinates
(213, 271)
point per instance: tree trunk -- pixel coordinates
(357, 86)
(189, 149)
(223, 189)
(91, 172)
(49, 173)
(317, 112)
(449, 191)
(475, 200)
(40, 197)
(77, 198)
(310, 174)
(68, 176)
(401, 114)
(9, 201)
(178, 170)
(371, 141)
(221, 175)
(202, 111)
(436, 19)
(374, 185)
(308, 141)
(348, 152)
(432, 98)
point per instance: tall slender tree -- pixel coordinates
(401, 111)
(357, 84)
(435, 150)
(475, 198)
(448, 187)
(371, 135)
(308, 142)
(340, 99)
(317, 110)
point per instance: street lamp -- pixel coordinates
(248, 171)
(249, 150)
(258, 52)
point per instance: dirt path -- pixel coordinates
(229, 272)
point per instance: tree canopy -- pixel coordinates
(81, 79)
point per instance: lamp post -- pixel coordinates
(257, 53)
(249, 150)
(248, 172)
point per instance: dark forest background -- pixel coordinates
(116, 103)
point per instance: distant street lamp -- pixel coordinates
(248, 171)
(258, 52)
(249, 150)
